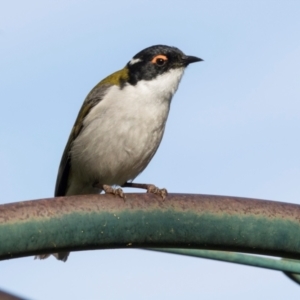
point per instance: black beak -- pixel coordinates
(190, 59)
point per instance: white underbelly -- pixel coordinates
(118, 141)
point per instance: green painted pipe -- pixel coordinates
(294, 277)
(145, 220)
(286, 265)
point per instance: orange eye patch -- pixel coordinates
(159, 59)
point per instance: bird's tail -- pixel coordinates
(63, 256)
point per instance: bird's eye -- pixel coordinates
(159, 60)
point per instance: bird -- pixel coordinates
(120, 126)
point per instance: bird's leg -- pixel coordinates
(110, 190)
(149, 187)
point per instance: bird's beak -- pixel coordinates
(190, 59)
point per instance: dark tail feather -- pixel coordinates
(63, 256)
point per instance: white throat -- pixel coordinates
(163, 87)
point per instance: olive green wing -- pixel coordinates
(118, 78)
(63, 177)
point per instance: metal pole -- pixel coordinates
(145, 220)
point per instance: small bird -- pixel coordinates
(120, 126)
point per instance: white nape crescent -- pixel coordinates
(134, 61)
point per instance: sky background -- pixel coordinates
(233, 128)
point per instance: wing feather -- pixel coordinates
(93, 98)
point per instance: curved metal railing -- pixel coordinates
(224, 228)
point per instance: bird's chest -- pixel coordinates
(133, 122)
(122, 133)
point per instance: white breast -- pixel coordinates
(122, 133)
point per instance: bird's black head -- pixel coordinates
(156, 60)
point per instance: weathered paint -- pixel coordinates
(145, 220)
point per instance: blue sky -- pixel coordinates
(233, 128)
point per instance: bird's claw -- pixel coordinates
(117, 192)
(155, 190)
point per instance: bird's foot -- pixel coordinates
(151, 188)
(157, 191)
(110, 190)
